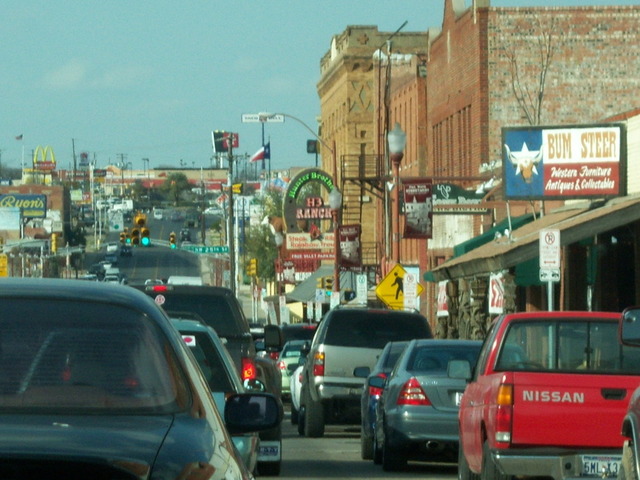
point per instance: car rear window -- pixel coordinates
(436, 359)
(214, 310)
(68, 356)
(373, 330)
(569, 346)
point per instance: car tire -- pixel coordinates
(490, 470)
(393, 459)
(628, 463)
(294, 415)
(463, 467)
(366, 445)
(301, 418)
(269, 469)
(314, 418)
(377, 451)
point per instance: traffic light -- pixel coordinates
(252, 268)
(172, 239)
(135, 236)
(328, 283)
(145, 238)
(320, 283)
(123, 238)
(54, 243)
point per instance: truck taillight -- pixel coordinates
(412, 394)
(318, 364)
(504, 415)
(248, 369)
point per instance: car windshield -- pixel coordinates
(66, 356)
(211, 309)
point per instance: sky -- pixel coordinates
(126, 80)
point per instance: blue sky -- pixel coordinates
(152, 78)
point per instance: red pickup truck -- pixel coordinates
(547, 398)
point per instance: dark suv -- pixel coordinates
(214, 306)
(348, 338)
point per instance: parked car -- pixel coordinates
(417, 415)
(371, 395)
(219, 308)
(288, 362)
(97, 383)
(347, 338)
(220, 373)
(111, 247)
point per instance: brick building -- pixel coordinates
(483, 71)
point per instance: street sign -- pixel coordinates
(549, 274)
(361, 288)
(206, 249)
(262, 118)
(549, 248)
(391, 289)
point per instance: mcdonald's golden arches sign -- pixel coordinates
(44, 159)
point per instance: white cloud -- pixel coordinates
(70, 75)
(76, 74)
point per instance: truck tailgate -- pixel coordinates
(339, 363)
(585, 410)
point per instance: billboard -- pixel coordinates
(562, 162)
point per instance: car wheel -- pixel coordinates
(366, 445)
(294, 415)
(314, 418)
(463, 467)
(301, 417)
(269, 469)
(628, 463)
(392, 459)
(377, 451)
(490, 470)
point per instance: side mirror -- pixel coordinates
(252, 412)
(306, 348)
(630, 327)
(459, 369)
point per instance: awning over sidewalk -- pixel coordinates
(305, 291)
(575, 222)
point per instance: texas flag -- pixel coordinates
(263, 154)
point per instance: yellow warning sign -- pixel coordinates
(391, 290)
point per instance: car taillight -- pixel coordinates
(504, 415)
(248, 369)
(282, 365)
(377, 391)
(274, 356)
(318, 364)
(412, 394)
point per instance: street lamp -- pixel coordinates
(335, 203)
(396, 140)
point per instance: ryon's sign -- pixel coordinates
(564, 162)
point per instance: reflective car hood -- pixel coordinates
(109, 439)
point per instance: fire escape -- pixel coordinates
(362, 176)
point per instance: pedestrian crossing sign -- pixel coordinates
(391, 289)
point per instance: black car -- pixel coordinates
(126, 251)
(185, 235)
(97, 383)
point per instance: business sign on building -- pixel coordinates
(349, 248)
(563, 162)
(44, 160)
(418, 208)
(31, 206)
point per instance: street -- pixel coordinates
(337, 455)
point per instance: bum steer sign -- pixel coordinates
(564, 162)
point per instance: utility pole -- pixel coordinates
(230, 220)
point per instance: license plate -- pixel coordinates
(601, 465)
(269, 451)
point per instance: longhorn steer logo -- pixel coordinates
(525, 161)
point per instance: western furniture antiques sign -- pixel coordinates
(418, 208)
(349, 248)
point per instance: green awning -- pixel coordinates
(490, 234)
